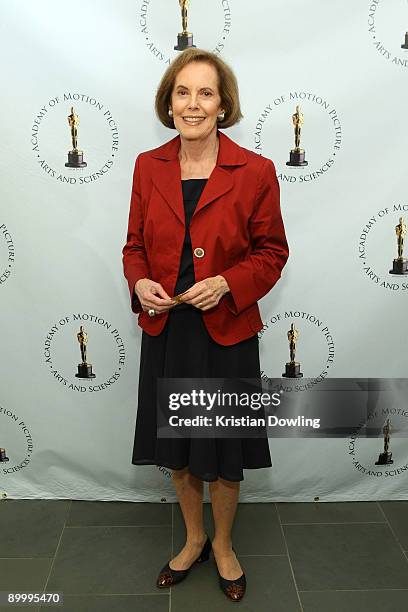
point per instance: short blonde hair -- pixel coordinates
(227, 86)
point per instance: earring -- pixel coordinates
(170, 112)
(221, 116)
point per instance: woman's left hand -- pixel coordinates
(206, 294)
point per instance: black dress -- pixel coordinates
(185, 349)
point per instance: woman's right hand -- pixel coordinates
(152, 295)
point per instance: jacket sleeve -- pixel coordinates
(252, 278)
(135, 265)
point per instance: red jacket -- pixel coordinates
(236, 231)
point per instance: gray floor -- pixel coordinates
(105, 556)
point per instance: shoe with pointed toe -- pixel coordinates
(168, 576)
(233, 589)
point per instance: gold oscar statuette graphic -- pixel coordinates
(385, 457)
(400, 264)
(297, 155)
(3, 457)
(184, 38)
(405, 43)
(84, 368)
(292, 368)
(75, 157)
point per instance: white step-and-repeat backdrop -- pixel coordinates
(345, 63)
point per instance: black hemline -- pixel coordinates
(141, 462)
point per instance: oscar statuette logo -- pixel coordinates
(324, 135)
(75, 157)
(376, 244)
(160, 19)
(361, 449)
(297, 155)
(185, 38)
(7, 253)
(98, 129)
(318, 350)
(107, 346)
(292, 368)
(3, 456)
(399, 265)
(385, 457)
(84, 368)
(384, 27)
(15, 435)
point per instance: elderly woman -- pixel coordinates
(204, 222)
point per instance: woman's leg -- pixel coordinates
(224, 499)
(189, 491)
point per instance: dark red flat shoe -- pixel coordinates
(168, 577)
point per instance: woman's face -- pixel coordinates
(195, 100)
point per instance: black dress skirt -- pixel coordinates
(185, 349)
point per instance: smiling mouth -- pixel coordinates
(193, 120)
